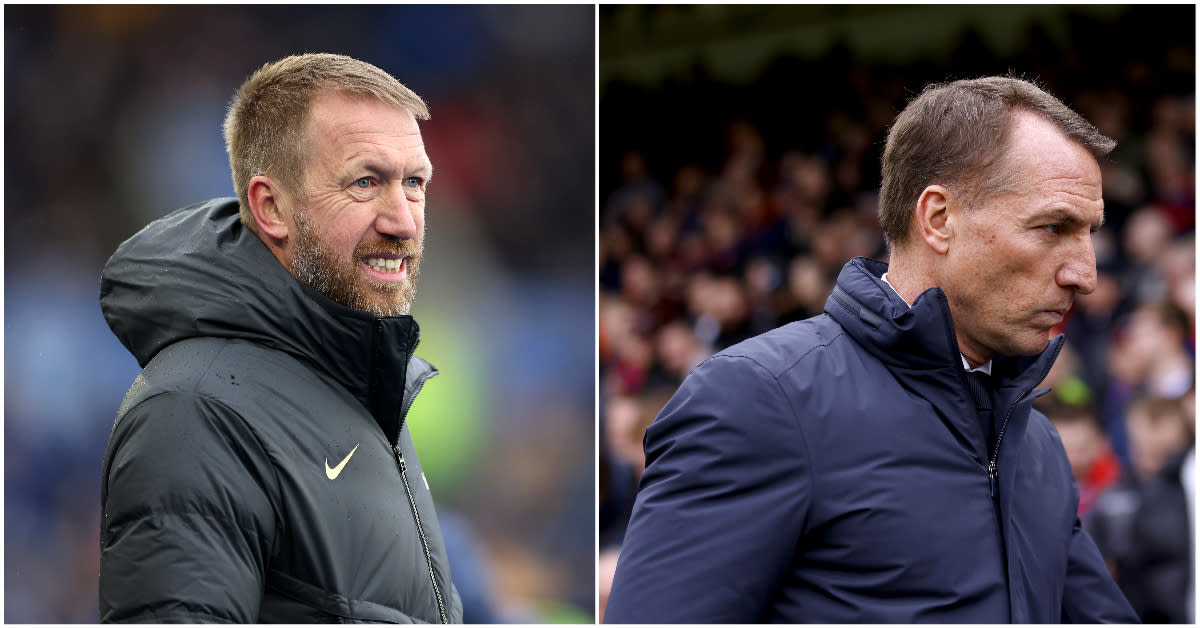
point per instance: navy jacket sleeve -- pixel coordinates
(1090, 596)
(187, 529)
(722, 503)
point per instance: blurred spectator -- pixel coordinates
(1178, 267)
(1161, 584)
(1090, 324)
(1147, 234)
(808, 285)
(678, 351)
(1092, 461)
(626, 422)
(1149, 357)
(1152, 350)
(622, 426)
(1157, 433)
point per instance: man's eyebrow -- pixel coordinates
(383, 169)
(1064, 216)
(425, 169)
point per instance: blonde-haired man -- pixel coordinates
(260, 468)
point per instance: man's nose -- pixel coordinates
(1079, 271)
(395, 216)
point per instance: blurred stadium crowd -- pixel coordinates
(113, 118)
(728, 210)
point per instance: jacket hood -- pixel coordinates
(198, 272)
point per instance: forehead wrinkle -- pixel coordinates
(378, 150)
(380, 145)
(351, 130)
(382, 150)
(1077, 194)
(1070, 185)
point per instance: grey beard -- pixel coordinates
(317, 266)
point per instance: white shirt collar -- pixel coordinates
(986, 367)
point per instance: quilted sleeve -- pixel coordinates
(187, 525)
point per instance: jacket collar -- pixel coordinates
(199, 272)
(918, 344)
(917, 338)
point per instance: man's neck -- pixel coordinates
(986, 367)
(908, 278)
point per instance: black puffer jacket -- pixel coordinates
(260, 469)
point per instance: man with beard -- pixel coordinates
(260, 469)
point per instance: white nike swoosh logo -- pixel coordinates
(336, 471)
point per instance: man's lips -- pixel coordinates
(386, 267)
(1052, 316)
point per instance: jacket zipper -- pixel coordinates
(411, 398)
(993, 480)
(412, 502)
(993, 473)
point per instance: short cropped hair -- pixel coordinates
(264, 127)
(956, 134)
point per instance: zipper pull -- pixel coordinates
(993, 480)
(400, 458)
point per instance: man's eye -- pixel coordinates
(413, 182)
(1052, 228)
(363, 183)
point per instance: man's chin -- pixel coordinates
(388, 300)
(1033, 345)
(1017, 342)
(392, 300)
(394, 307)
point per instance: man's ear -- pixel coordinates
(934, 222)
(265, 196)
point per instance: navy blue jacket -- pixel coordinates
(834, 470)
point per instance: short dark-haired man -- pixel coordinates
(260, 469)
(881, 462)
